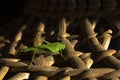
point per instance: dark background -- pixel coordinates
(9, 9)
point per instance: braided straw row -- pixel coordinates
(72, 8)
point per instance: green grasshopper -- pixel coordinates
(52, 48)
